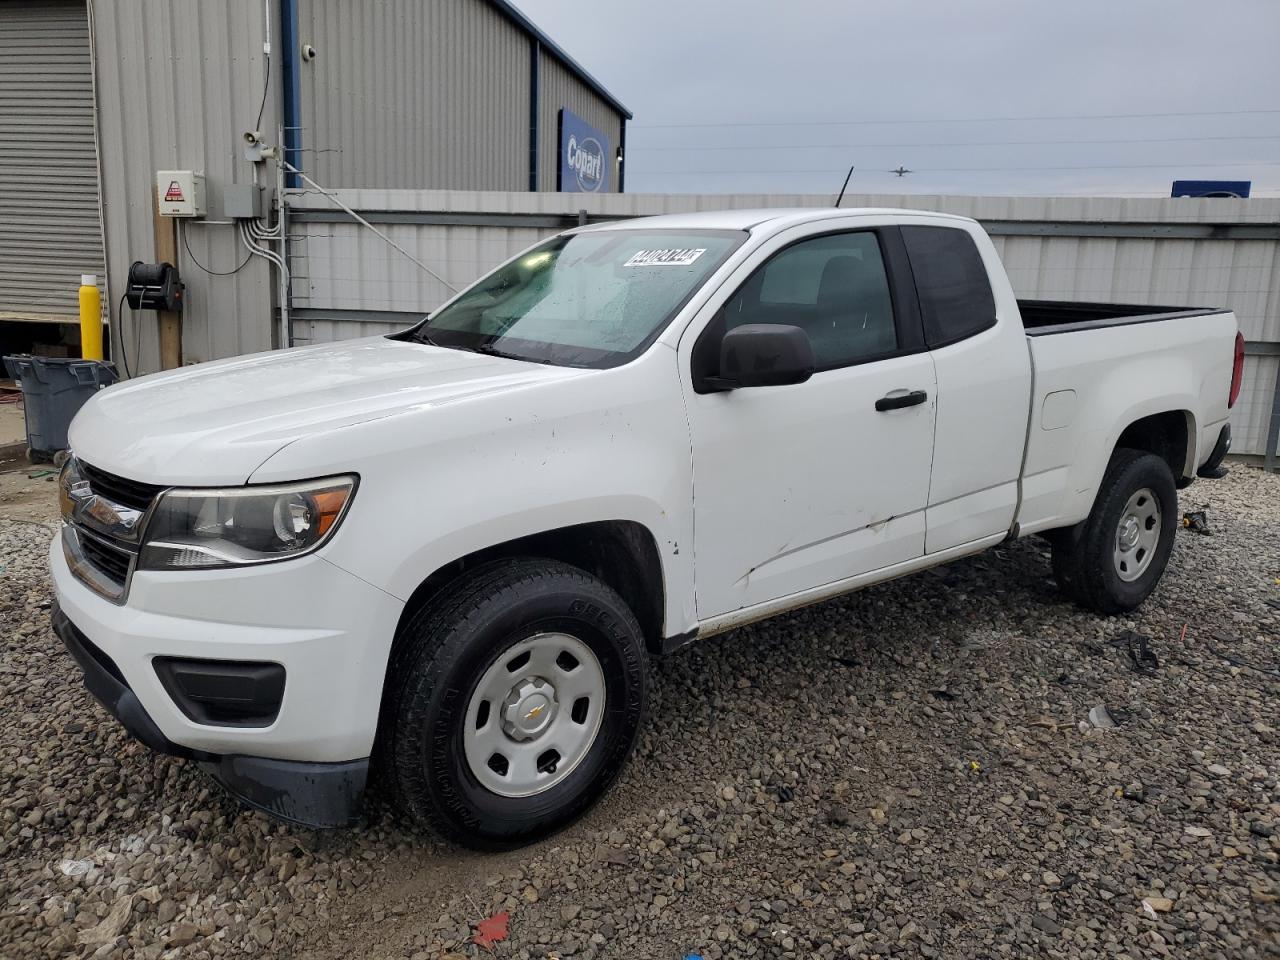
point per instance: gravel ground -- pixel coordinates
(909, 771)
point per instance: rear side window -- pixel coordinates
(955, 295)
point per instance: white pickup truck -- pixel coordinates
(447, 555)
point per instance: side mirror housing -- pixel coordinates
(763, 355)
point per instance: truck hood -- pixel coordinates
(215, 423)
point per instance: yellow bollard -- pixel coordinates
(90, 318)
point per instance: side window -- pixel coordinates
(832, 287)
(951, 282)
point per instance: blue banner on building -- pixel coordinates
(1211, 188)
(585, 157)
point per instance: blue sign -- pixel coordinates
(585, 157)
(1211, 188)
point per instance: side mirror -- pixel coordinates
(763, 355)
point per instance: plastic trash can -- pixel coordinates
(53, 391)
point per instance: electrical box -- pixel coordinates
(243, 201)
(180, 193)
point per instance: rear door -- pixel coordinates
(803, 485)
(984, 381)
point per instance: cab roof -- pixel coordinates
(772, 219)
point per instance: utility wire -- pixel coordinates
(860, 123)
(329, 194)
(952, 143)
(1114, 166)
(213, 273)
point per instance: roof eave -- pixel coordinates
(517, 16)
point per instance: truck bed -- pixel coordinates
(1119, 368)
(1040, 317)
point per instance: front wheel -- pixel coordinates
(515, 701)
(1114, 559)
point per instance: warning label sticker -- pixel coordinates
(174, 193)
(665, 258)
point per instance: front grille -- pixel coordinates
(127, 493)
(112, 562)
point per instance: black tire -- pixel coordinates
(1083, 561)
(442, 654)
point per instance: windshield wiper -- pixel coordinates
(485, 347)
(489, 350)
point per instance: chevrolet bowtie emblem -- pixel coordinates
(534, 713)
(101, 514)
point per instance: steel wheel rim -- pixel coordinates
(534, 715)
(1137, 535)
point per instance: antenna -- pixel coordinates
(845, 186)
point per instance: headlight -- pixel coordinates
(237, 526)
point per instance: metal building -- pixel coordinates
(466, 95)
(98, 95)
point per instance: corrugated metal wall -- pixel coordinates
(403, 92)
(407, 93)
(178, 83)
(50, 227)
(559, 88)
(351, 275)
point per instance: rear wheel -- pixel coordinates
(1114, 559)
(515, 701)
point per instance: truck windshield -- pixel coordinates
(594, 299)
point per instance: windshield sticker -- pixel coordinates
(665, 258)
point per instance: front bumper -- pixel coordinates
(309, 794)
(329, 630)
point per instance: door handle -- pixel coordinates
(901, 400)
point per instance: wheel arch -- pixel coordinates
(1167, 428)
(1169, 434)
(621, 553)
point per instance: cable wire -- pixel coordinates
(124, 354)
(213, 273)
(266, 85)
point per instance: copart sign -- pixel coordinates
(585, 157)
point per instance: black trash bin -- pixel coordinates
(53, 391)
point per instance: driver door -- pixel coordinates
(803, 485)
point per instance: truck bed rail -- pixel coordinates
(1043, 317)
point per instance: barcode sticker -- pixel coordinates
(665, 258)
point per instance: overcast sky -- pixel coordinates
(782, 96)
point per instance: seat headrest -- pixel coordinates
(839, 283)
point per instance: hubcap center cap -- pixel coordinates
(529, 709)
(1129, 530)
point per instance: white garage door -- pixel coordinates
(50, 231)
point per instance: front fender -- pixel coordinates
(439, 484)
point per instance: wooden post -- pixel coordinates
(170, 324)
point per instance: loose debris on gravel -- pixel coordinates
(909, 771)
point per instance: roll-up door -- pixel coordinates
(50, 231)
